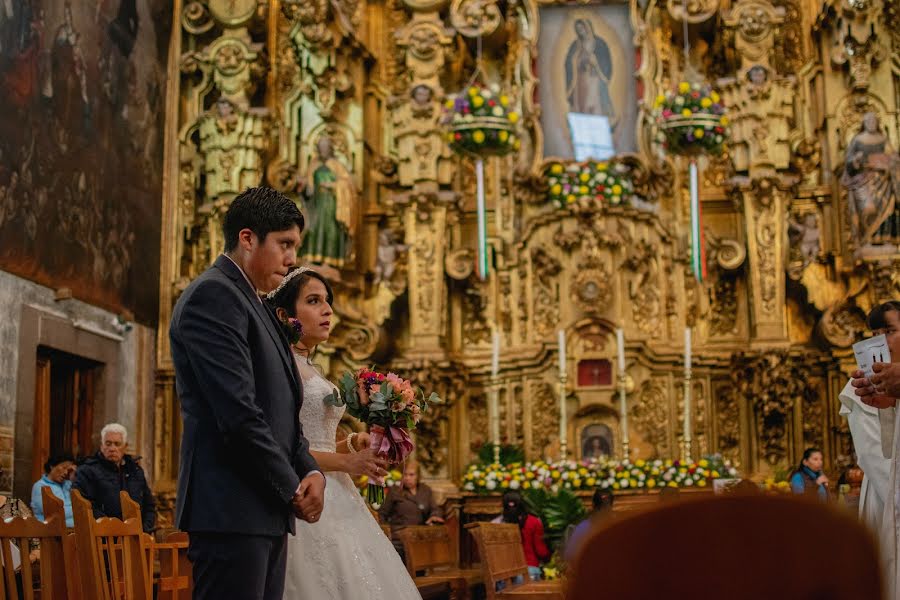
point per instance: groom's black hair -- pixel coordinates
(877, 318)
(262, 210)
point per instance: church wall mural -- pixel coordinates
(81, 150)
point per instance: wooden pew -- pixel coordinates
(50, 533)
(112, 554)
(428, 548)
(503, 562)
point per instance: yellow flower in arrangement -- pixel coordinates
(723, 121)
(591, 482)
(698, 133)
(584, 177)
(529, 474)
(672, 484)
(583, 189)
(616, 486)
(684, 87)
(686, 112)
(363, 480)
(602, 166)
(503, 135)
(706, 103)
(701, 483)
(504, 484)
(556, 169)
(639, 463)
(473, 91)
(550, 574)
(481, 483)
(582, 471)
(703, 463)
(516, 143)
(555, 190)
(576, 483)
(513, 117)
(659, 100)
(570, 199)
(632, 482)
(449, 103)
(477, 101)
(715, 474)
(478, 136)
(450, 137)
(555, 474)
(651, 483)
(504, 100)
(715, 96)
(617, 190)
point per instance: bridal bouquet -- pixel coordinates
(390, 407)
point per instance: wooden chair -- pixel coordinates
(112, 554)
(50, 534)
(54, 508)
(428, 548)
(503, 560)
(736, 547)
(175, 580)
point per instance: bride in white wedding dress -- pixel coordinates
(344, 555)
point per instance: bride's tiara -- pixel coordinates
(287, 279)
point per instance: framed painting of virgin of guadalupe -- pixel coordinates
(586, 63)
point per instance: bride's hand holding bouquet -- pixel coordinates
(391, 408)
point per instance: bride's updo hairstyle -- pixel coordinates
(288, 291)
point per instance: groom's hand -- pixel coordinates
(310, 497)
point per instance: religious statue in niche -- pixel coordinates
(331, 208)
(231, 143)
(588, 73)
(872, 178)
(422, 153)
(803, 233)
(596, 441)
(762, 109)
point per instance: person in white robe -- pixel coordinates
(873, 458)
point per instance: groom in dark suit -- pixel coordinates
(246, 470)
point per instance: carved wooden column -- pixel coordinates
(765, 200)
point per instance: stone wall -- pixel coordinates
(33, 316)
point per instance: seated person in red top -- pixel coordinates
(515, 511)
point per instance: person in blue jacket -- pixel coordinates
(58, 473)
(808, 477)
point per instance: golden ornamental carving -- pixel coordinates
(474, 18)
(695, 11)
(232, 13)
(425, 44)
(232, 142)
(728, 423)
(885, 278)
(546, 297)
(423, 154)
(855, 26)
(195, 18)
(842, 324)
(644, 287)
(650, 414)
(755, 23)
(544, 417)
(591, 290)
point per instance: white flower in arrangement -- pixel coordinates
(536, 484)
(565, 475)
(641, 476)
(491, 484)
(469, 486)
(718, 139)
(688, 481)
(554, 488)
(495, 88)
(624, 483)
(679, 100)
(514, 484)
(641, 482)
(601, 177)
(486, 93)
(492, 475)
(468, 117)
(497, 111)
(657, 462)
(732, 471)
(667, 476)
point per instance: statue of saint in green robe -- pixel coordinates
(330, 209)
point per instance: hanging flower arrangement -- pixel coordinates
(692, 120)
(588, 183)
(480, 122)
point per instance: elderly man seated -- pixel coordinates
(103, 476)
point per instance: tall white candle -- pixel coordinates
(495, 355)
(562, 351)
(687, 348)
(620, 347)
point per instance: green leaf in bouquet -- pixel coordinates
(378, 402)
(434, 398)
(334, 399)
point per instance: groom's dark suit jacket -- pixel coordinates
(242, 451)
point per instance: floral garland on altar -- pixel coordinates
(691, 119)
(588, 183)
(597, 473)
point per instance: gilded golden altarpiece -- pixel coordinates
(255, 85)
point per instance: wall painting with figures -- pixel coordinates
(80, 161)
(586, 64)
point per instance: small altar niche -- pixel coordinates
(595, 372)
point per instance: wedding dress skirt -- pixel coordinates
(345, 555)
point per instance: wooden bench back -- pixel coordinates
(426, 547)
(50, 533)
(112, 554)
(502, 556)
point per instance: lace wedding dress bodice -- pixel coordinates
(319, 420)
(345, 555)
